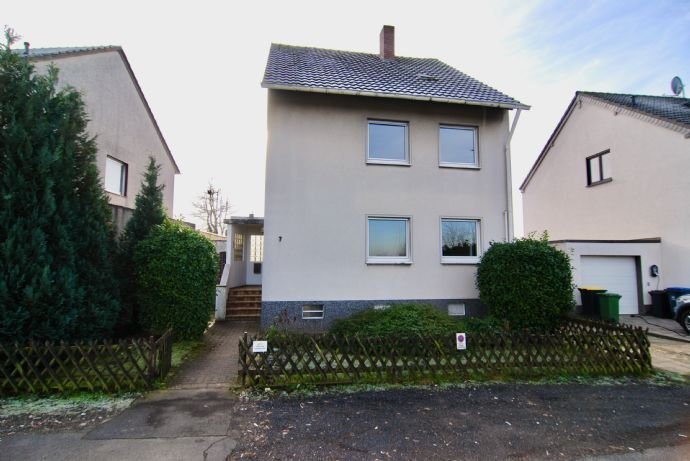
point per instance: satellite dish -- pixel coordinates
(677, 86)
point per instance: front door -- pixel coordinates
(255, 259)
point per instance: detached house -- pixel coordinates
(119, 116)
(611, 187)
(387, 177)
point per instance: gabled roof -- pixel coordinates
(672, 110)
(669, 108)
(345, 72)
(46, 54)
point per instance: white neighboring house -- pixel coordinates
(119, 116)
(386, 179)
(611, 187)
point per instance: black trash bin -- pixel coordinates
(590, 301)
(660, 305)
(672, 293)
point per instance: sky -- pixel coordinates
(200, 63)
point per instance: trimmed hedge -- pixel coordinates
(176, 271)
(526, 283)
(407, 320)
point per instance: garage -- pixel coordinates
(618, 274)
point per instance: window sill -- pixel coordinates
(459, 166)
(376, 262)
(603, 181)
(384, 162)
(468, 261)
(116, 193)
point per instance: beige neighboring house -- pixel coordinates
(122, 121)
(611, 187)
(386, 179)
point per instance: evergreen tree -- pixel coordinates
(148, 213)
(52, 220)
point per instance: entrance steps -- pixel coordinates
(244, 303)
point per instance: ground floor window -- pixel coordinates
(388, 240)
(460, 240)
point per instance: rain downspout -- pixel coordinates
(508, 213)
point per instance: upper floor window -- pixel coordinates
(458, 146)
(115, 176)
(460, 240)
(387, 143)
(599, 168)
(388, 240)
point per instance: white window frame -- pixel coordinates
(383, 161)
(124, 171)
(313, 312)
(475, 131)
(460, 259)
(408, 244)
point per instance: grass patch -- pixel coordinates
(60, 405)
(185, 350)
(310, 390)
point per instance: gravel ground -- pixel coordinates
(484, 422)
(42, 415)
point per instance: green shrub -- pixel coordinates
(176, 280)
(526, 283)
(399, 320)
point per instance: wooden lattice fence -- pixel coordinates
(108, 366)
(578, 347)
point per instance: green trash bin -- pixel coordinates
(609, 306)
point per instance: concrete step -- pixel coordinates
(242, 305)
(244, 311)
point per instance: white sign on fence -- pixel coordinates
(259, 346)
(461, 341)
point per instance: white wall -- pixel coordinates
(118, 118)
(319, 191)
(648, 195)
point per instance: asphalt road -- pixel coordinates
(491, 422)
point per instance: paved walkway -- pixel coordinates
(662, 328)
(216, 367)
(669, 342)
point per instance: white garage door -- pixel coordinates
(618, 274)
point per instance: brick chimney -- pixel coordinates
(387, 42)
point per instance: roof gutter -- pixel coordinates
(377, 94)
(509, 230)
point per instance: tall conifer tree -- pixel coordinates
(55, 236)
(148, 213)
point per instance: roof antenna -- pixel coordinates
(26, 49)
(677, 86)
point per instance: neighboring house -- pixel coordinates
(611, 187)
(120, 118)
(386, 179)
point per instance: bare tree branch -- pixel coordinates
(213, 209)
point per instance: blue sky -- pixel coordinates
(200, 63)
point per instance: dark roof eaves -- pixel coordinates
(67, 53)
(600, 97)
(377, 94)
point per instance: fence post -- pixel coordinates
(243, 359)
(153, 350)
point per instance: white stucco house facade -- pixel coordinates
(611, 187)
(386, 179)
(120, 118)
